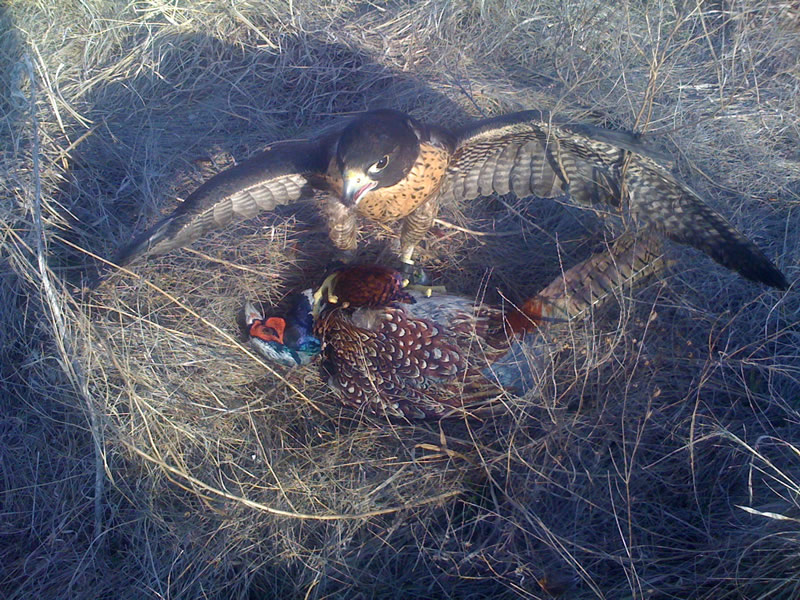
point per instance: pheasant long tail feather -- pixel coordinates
(591, 283)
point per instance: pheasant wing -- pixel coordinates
(527, 153)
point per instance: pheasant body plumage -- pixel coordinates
(412, 360)
(389, 350)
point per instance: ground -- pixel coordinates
(147, 454)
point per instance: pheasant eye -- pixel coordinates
(380, 165)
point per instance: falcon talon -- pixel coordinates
(324, 294)
(386, 166)
(316, 303)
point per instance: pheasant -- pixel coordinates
(386, 166)
(386, 349)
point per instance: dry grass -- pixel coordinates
(147, 454)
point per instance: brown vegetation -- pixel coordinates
(146, 453)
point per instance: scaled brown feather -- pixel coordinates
(385, 352)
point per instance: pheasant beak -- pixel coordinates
(355, 184)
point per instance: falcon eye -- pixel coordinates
(380, 165)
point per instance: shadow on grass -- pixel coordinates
(200, 105)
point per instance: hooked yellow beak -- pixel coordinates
(355, 185)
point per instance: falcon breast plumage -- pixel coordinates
(386, 166)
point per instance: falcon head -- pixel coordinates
(376, 150)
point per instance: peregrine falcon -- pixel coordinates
(386, 166)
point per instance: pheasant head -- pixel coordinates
(287, 341)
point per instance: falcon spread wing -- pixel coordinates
(528, 154)
(281, 174)
(385, 166)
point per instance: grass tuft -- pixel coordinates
(146, 453)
